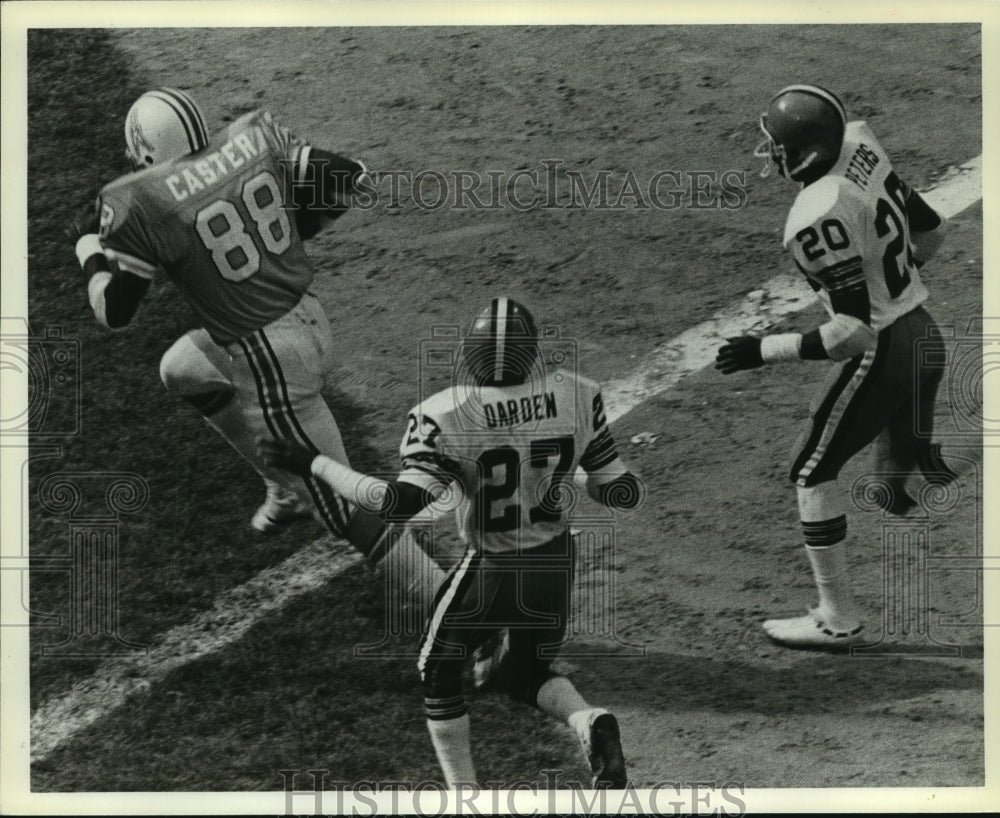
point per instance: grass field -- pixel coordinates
(715, 548)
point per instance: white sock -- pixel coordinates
(558, 698)
(829, 566)
(450, 738)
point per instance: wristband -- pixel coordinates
(87, 246)
(781, 347)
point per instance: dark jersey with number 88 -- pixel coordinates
(214, 222)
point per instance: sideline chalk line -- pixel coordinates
(238, 609)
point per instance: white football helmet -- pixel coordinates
(162, 125)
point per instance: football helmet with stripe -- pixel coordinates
(161, 125)
(501, 348)
(804, 130)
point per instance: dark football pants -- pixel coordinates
(892, 388)
(526, 592)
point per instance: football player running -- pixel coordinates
(497, 446)
(224, 217)
(859, 234)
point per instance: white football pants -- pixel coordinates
(275, 376)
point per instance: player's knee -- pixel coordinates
(186, 368)
(820, 502)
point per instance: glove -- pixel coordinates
(286, 454)
(739, 353)
(85, 222)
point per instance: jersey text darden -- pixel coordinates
(511, 412)
(212, 168)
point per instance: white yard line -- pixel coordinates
(238, 609)
(777, 298)
(233, 614)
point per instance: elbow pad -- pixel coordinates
(921, 216)
(115, 298)
(845, 336)
(121, 298)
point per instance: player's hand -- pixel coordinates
(739, 353)
(85, 222)
(286, 454)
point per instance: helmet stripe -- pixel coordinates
(193, 111)
(500, 315)
(181, 115)
(822, 93)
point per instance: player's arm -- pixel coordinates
(846, 334)
(323, 187)
(114, 296)
(927, 226)
(380, 504)
(609, 481)
(826, 252)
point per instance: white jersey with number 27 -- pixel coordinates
(512, 449)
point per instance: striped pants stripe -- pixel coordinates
(278, 372)
(886, 391)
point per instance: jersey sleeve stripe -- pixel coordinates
(302, 164)
(272, 393)
(834, 269)
(434, 470)
(134, 265)
(600, 452)
(843, 274)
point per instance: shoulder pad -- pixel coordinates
(858, 131)
(438, 405)
(582, 381)
(251, 118)
(814, 202)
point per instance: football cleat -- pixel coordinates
(813, 632)
(803, 130)
(279, 509)
(604, 752)
(162, 125)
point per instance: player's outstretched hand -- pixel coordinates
(739, 353)
(286, 454)
(85, 222)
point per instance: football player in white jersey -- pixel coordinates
(860, 235)
(224, 217)
(498, 447)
